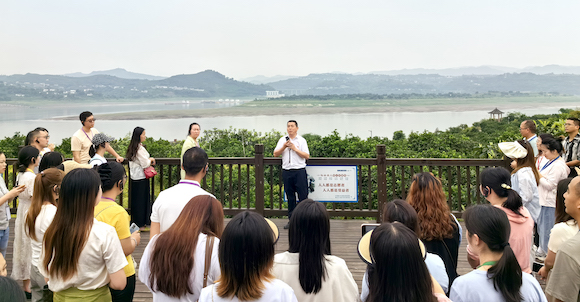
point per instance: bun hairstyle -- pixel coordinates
(553, 144)
(492, 227)
(27, 156)
(499, 180)
(111, 173)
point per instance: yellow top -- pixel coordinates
(115, 215)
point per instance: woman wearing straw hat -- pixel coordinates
(397, 270)
(525, 177)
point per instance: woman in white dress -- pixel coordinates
(28, 160)
(139, 159)
(40, 215)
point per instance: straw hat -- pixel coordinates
(364, 246)
(513, 149)
(70, 165)
(274, 229)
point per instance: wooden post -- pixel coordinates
(259, 176)
(381, 179)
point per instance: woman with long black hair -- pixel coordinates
(308, 266)
(499, 276)
(139, 159)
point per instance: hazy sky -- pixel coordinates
(271, 37)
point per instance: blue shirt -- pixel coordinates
(477, 287)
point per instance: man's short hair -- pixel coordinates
(575, 120)
(84, 116)
(530, 125)
(33, 134)
(293, 121)
(194, 160)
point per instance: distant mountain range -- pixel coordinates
(206, 84)
(212, 84)
(117, 72)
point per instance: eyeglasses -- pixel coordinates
(47, 137)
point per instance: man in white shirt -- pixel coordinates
(528, 131)
(294, 151)
(171, 202)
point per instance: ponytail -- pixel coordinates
(507, 275)
(492, 226)
(499, 180)
(26, 157)
(513, 202)
(44, 184)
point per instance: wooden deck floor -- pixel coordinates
(344, 236)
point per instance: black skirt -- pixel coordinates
(140, 202)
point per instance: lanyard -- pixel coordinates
(190, 183)
(487, 263)
(533, 138)
(29, 170)
(87, 135)
(549, 163)
(111, 199)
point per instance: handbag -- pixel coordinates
(149, 172)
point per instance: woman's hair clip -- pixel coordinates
(505, 186)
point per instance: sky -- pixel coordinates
(270, 37)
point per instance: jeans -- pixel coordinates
(4, 241)
(545, 224)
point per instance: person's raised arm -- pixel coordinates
(12, 194)
(280, 147)
(130, 243)
(110, 149)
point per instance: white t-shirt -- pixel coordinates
(291, 159)
(171, 202)
(101, 256)
(524, 182)
(196, 275)
(339, 285)
(560, 233)
(475, 286)
(82, 142)
(435, 266)
(276, 291)
(43, 221)
(97, 160)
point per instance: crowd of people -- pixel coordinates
(74, 242)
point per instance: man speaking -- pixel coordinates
(294, 151)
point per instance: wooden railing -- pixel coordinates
(255, 183)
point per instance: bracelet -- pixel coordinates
(134, 240)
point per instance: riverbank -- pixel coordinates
(318, 107)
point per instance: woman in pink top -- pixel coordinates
(496, 187)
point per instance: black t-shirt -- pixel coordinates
(447, 249)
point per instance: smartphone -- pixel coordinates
(287, 138)
(133, 228)
(366, 227)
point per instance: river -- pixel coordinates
(23, 119)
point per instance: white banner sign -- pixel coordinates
(332, 183)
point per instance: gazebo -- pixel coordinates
(496, 114)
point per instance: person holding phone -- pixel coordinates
(294, 151)
(5, 197)
(113, 179)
